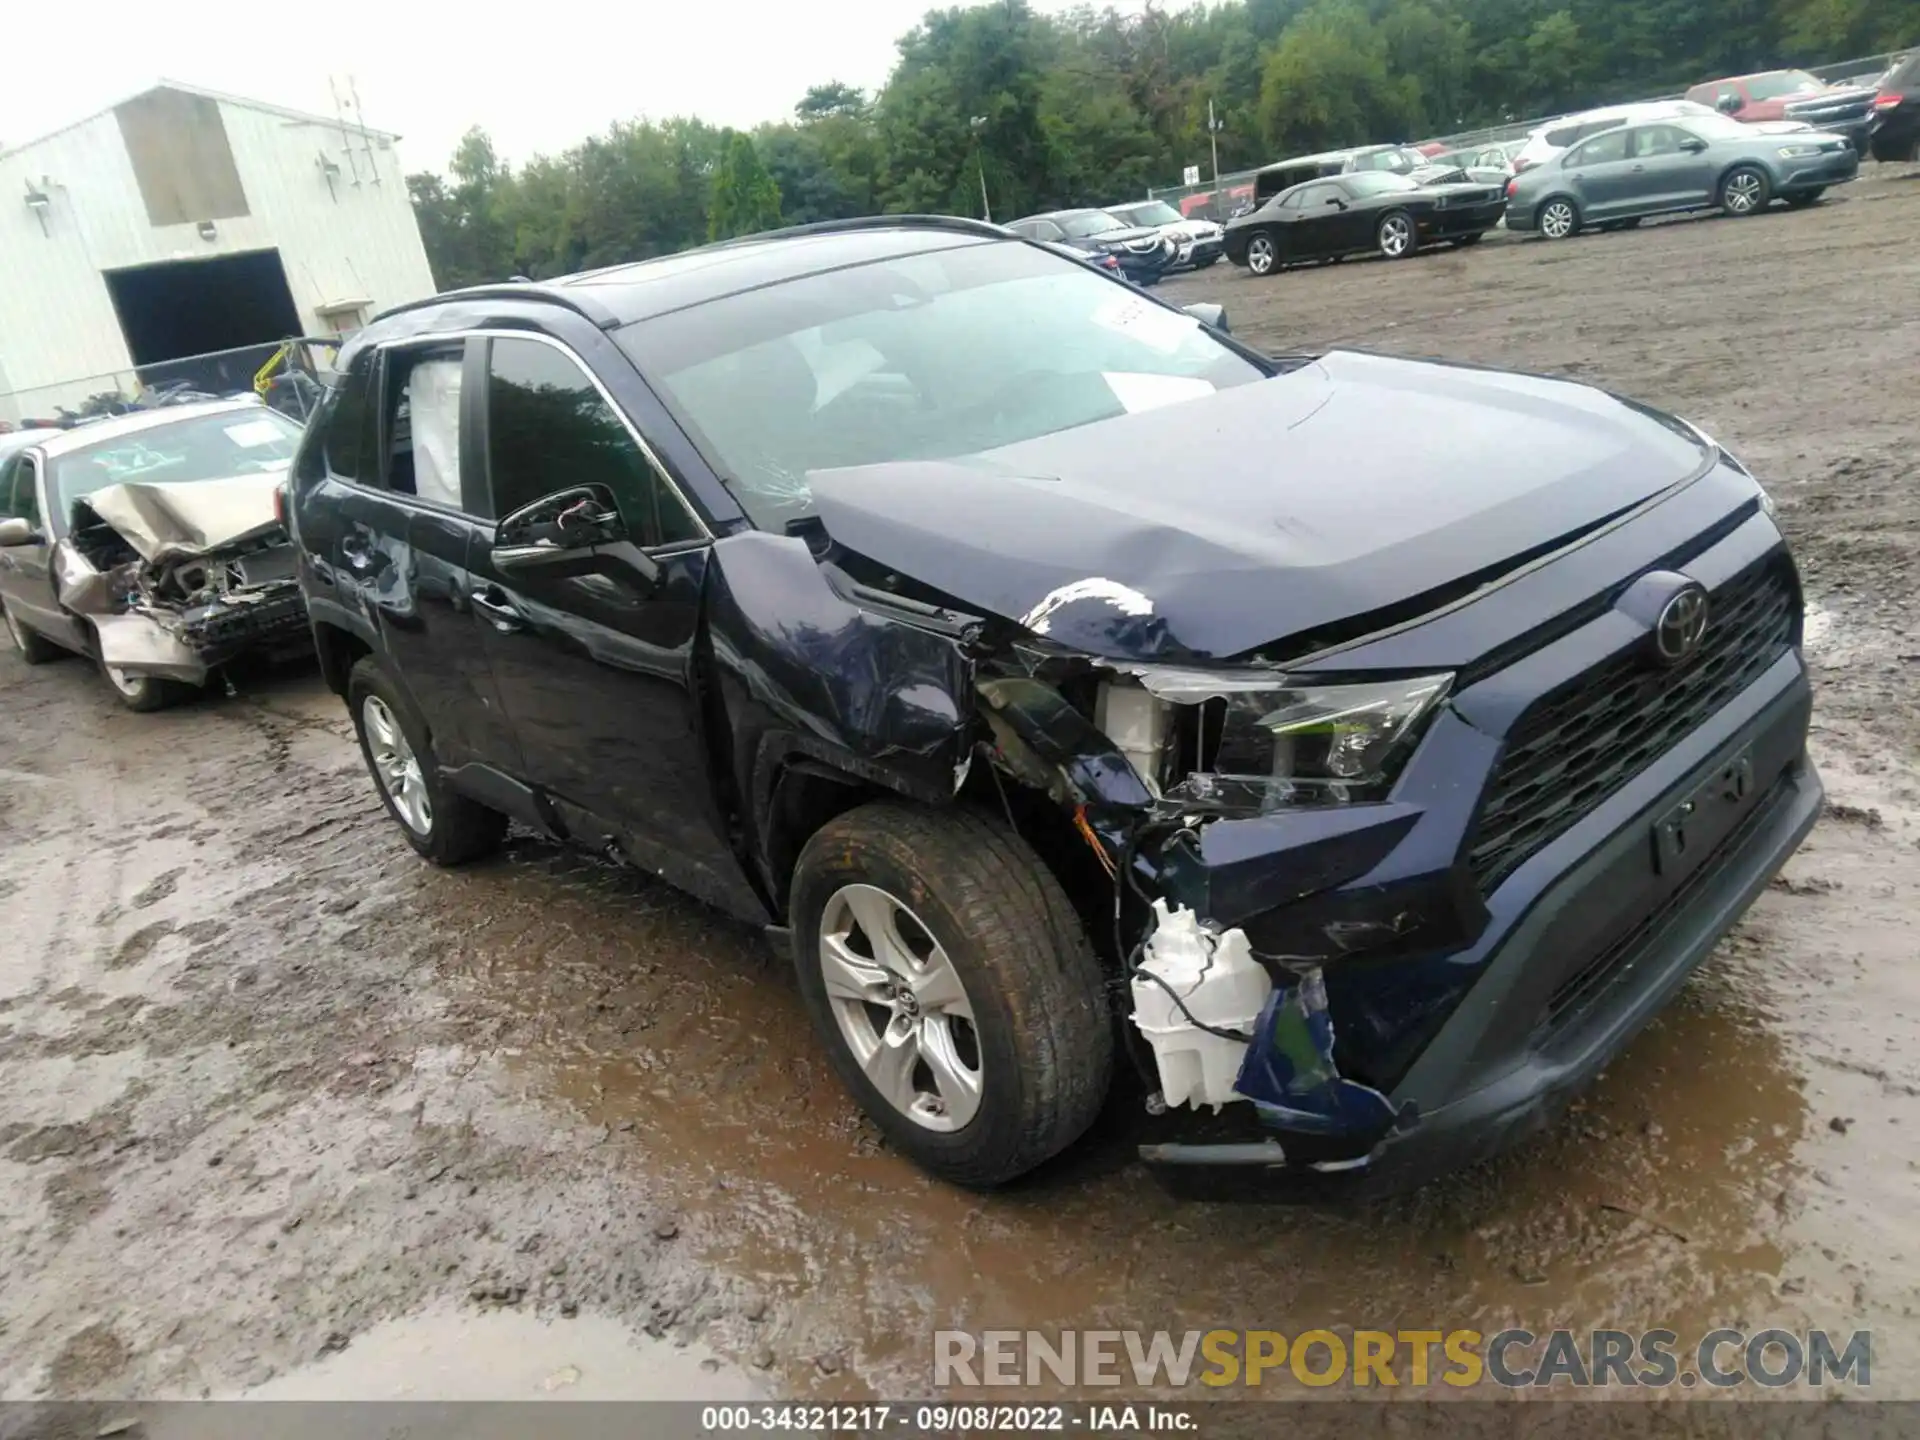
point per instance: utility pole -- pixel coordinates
(978, 124)
(1213, 137)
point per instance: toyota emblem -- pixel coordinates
(1682, 624)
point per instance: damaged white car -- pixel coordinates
(152, 544)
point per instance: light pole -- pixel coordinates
(978, 125)
(1213, 138)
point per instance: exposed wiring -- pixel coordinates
(1135, 969)
(1093, 841)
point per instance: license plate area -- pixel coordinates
(1691, 829)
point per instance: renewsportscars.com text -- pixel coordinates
(1511, 1359)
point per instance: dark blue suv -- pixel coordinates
(1356, 751)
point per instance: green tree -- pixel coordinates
(745, 197)
(1329, 83)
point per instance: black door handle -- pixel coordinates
(492, 602)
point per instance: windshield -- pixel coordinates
(1378, 182)
(1787, 82)
(926, 357)
(1148, 212)
(1090, 222)
(199, 447)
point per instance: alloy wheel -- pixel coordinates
(396, 766)
(1396, 236)
(900, 1007)
(1261, 255)
(1556, 221)
(1744, 189)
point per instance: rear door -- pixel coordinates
(1601, 176)
(593, 651)
(1671, 177)
(398, 551)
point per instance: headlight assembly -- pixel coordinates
(1798, 152)
(1249, 743)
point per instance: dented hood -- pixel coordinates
(165, 522)
(1215, 526)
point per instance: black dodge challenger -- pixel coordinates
(1352, 214)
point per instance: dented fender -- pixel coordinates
(798, 668)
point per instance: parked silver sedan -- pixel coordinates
(1704, 162)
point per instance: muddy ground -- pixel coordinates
(288, 1111)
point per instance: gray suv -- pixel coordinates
(1617, 177)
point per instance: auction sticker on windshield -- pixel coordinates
(1154, 326)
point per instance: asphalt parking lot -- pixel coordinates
(290, 1112)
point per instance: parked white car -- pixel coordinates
(1198, 242)
(1556, 137)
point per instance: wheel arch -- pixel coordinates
(339, 650)
(1720, 180)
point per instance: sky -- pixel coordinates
(431, 71)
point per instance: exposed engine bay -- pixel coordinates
(180, 579)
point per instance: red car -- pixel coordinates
(1793, 95)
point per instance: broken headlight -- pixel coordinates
(1251, 743)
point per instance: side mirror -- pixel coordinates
(562, 530)
(1694, 145)
(1729, 104)
(1214, 317)
(15, 531)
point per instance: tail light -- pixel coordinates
(1513, 187)
(280, 516)
(1886, 102)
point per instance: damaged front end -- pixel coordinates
(1229, 809)
(178, 580)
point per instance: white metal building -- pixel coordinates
(183, 222)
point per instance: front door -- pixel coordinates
(594, 659)
(27, 585)
(1673, 177)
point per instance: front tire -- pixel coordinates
(1745, 191)
(1263, 256)
(31, 646)
(953, 987)
(1396, 237)
(1559, 219)
(146, 693)
(440, 823)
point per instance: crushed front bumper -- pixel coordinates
(1579, 946)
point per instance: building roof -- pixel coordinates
(331, 122)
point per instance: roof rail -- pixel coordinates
(958, 223)
(596, 313)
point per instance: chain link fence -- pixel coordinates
(293, 388)
(1216, 200)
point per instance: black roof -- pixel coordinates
(622, 294)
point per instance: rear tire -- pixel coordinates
(1559, 219)
(146, 693)
(1745, 191)
(981, 959)
(31, 646)
(440, 823)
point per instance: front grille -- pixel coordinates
(1577, 746)
(1831, 112)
